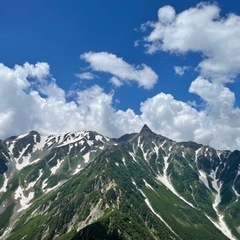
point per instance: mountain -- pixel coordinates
(143, 185)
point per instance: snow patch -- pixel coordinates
(54, 139)
(134, 183)
(22, 135)
(203, 178)
(71, 139)
(32, 184)
(24, 159)
(156, 148)
(44, 183)
(196, 154)
(23, 197)
(90, 142)
(86, 157)
(133, 156)
(70, 147)
(11, 146)
(144, 153)
(219, 154)
(99, 138)
(78, 169)
(222, 226)
(163, 144)
(193, 195)
(184, 156)
(83, 149)
(235, 191)
(4, 187)
(46, 190)
(6, 233)
(56, 167)
(4, 155)
(124, 161)
(50, 189)
(148, 185)
(166, 181)
(139, 139)
(39, 145)
(217, 199)
(217, 186)
(155, 213)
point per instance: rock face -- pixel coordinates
(83, 185)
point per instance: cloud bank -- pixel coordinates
(200, 29)
(32, 100)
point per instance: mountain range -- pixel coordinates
(83, 185)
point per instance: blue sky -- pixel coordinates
(111, 66)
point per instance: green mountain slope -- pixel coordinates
(141, 186)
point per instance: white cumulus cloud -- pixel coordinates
(199, 29)
(215, 126)
(31, 100)
(121, 70)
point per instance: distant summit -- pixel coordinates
(146, 130)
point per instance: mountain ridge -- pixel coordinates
(133, 178)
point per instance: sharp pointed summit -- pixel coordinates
(146, 130)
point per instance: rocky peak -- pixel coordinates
(146, 130)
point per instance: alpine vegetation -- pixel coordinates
(83, 185)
